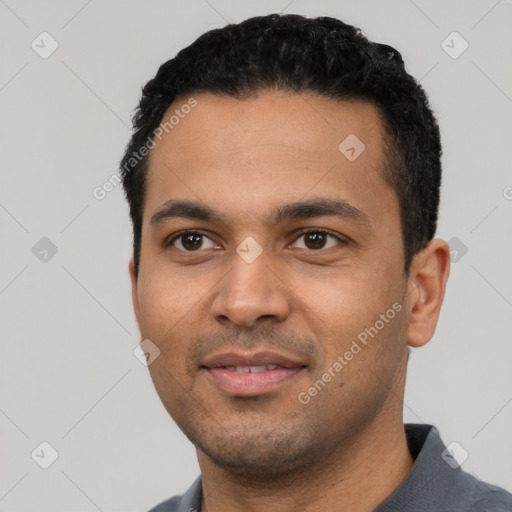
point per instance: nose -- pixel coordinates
(250, 292)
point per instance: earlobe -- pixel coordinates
(427, 285)
(135, 298)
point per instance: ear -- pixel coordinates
(426, 287)
(135, 297)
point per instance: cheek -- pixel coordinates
(354, 307)
(343, 297)
(163, 307)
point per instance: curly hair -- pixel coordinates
(321, 56)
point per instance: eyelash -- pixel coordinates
(304, 231)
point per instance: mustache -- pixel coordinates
(264, 338)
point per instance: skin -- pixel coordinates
(345, 448)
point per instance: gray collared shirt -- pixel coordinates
(435, 483)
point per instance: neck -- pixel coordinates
(357, 477)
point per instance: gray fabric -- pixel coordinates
(431, 486)
(189, 502)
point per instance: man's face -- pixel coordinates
(244, 335)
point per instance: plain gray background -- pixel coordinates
(68, 374)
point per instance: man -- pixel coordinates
(283, 181)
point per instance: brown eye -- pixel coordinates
(190, 241)
(315, 240)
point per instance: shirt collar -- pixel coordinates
(191, 500)
(430, 475)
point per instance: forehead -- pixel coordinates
(266, 150)
(220, 123)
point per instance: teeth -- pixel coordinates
(257, 369)
(238, 369)
(251, 369)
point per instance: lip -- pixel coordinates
(221, 369)
(250, 359)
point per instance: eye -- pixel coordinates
(316, 239)
(190, 241)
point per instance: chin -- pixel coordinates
(257, 466)
(256, 452)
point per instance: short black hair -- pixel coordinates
(321, 56)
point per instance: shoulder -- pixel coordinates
(188, 502)
(489, 498)
(170, 505)
(468, 493)
(437, 482)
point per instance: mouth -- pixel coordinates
(243, 374)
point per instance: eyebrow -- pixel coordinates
(331, 207)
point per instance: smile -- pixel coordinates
(251, 375)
